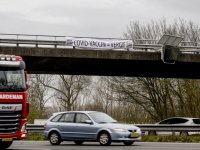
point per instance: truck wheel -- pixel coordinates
(54, 138)
(5, 145)
(104, 138)
(128, 143)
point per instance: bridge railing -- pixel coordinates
(31, 128)
(60, 41)
(30, 36)
(19, 39)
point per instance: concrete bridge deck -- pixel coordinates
(104, 62)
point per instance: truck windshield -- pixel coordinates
(12, 81)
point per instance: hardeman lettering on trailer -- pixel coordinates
(105, 44)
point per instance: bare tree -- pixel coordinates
(67, 89)
(155, 29)
(38, 96)
(161, 97)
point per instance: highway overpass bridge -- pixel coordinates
(104, 62)
(54, 60)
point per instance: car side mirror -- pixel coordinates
(88, 121)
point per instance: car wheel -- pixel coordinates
(5, 145)
(54, 138)
(183, 134)
(104, 138)
(128, 143)
(78, 142)
(152, 133)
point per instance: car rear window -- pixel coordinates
(196, 121)
(56, 118)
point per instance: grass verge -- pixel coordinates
(35, 137)
(180, 139)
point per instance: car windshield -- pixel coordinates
(99, 117)
(12, 80)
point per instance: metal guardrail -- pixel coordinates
(168, 128)
(144, 128)
(32, 42)
(32, 128)
(55, 42)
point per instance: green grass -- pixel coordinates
(145, 138)
(35, 137)
(180, 139)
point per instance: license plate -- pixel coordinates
(7, 139)
(134, 135)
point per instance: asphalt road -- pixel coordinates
(45, 145)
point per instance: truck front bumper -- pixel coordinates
(19, 135)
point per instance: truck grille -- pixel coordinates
(10, 122)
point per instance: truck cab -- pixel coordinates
(14, 106)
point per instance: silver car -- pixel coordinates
(80, 126)
(177, 121)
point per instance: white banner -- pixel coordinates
(104, 44)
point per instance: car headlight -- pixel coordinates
(138, 129)
(120, 130)
(23, 128)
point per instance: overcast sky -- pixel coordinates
(89, 18)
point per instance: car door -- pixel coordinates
(164, 122)
(82, 129)
(178, 121)
(65, 125)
